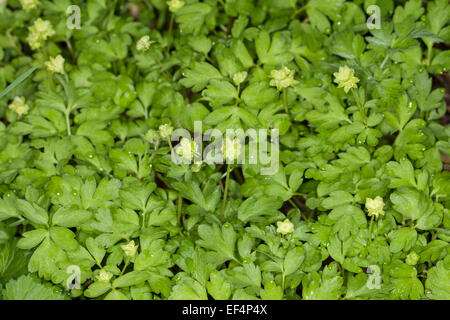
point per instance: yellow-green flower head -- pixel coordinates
(28, 5)
(152, 136)
(56, 64)
(375, 206)
(144, 43)
(165, 131)
(196, 167)
(232, 149)
(40, 31)
(175, 5)
(19, 106)
(130, 249)
(285, 227)
(345, 78)
(104, 276)
(239, 77)
(187, 149)
(282, 78)
(412, 258)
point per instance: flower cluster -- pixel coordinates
(239, 77)
(19, 106)
(144, 43)
(104, 276)
(165, 131)
(130, 249)
(56, 64)
(412, 258)
(175, 5)
(285, 227)
(152, 136)
(282, 78)
(231, 149)
(28, 5)
(375, 206)
(187, 149)
(346, 79)
(40, 31)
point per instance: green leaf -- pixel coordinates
(402, 239)
(32, 212)
(131, 279)
(97, 289)
(32, 238)
(188, 289)
(220, 92)
(70, 218)
(30, 288)
(438, 282)
(293, 260)
(221, 240)
(218, 287)
(411, 203)
(255, 209)
(63, 237)
(271, 291)
(18, 81)
(349, 219)
(199, 76)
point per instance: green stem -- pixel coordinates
(384, 61)
(370, 229)
(361, 109)
(227, 181)
(285, 101)
(180, 204)
(170, 144)
(298, 11)
(155, 57)
(170, 30)
(143, 220)
(293, 204)
(67, 114)
(429, 55)
(124, 267)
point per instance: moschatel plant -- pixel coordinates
(93, 207)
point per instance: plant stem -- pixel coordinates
(298, 11)
(361, 109)
(67, 114)
(170, 31)
(384, 61)
(143, 220)
(227, 181)
(370, 229)
(124, 267)
(285, 101)
(155, 57)
(170, 144)
(429, 55)
(180, 204)
(293, 204)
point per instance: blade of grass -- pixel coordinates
(18, 81)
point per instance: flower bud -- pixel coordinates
(285, 227)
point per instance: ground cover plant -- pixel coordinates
(92, 205)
